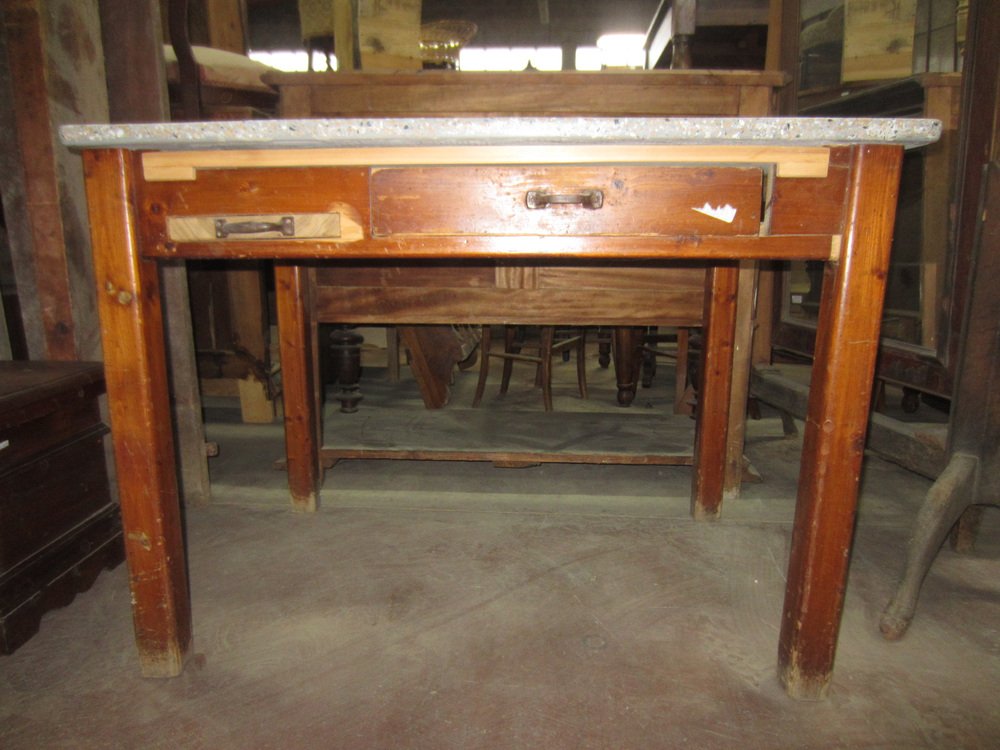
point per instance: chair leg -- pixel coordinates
(484, 365)
(581, 363)
(547, 334)
(510, 344)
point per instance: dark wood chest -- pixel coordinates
(58, 525)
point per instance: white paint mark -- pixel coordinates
(724, 213)
(4, 444)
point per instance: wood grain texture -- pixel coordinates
(846, 347)
(492, 200)
(712, 431)
(136, 375)
(181, 166)
(297, 335)
(449, 93)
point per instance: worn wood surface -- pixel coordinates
(133, 59)
(834, 440)
(297, 335)
(439, 92)
(712, 431)
(138, 402)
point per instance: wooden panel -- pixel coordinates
(636, 200)
(811, 206)
(653, 93)
(523, 306)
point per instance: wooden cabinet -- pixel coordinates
(58, 525)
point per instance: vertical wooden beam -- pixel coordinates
(137, 86)
(846, 346)
(300, 382)
(742, 359)
(712, 424)
(139, 406)
(34, 140)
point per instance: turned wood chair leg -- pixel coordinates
(547, 333)
(510, 344)
(484, 365)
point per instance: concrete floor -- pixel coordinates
(458, 605)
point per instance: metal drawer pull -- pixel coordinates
(224, 228)
(585, 198)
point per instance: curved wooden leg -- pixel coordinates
(509, 345)
(484, 365)
(947, 499)
(547, 333)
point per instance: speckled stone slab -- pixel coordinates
(500, 131)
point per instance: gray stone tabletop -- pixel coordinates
(500, 131)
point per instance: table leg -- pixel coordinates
(139, 407)
(627, 349)
(837, 419)
(712, 416)
(300, 382)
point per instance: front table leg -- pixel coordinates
(300, 382)
(843, 368)
(128, 293)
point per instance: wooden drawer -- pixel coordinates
(649, 201)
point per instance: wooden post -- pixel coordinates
(839, 395)
(138, 397)
(137, 83)
(712, 425)
(297, 336)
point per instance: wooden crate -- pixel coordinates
(389, 34)
(878, 39)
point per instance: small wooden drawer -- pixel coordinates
(648, 201)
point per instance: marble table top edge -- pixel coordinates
(500, 131)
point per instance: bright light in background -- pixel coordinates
(622, 50)
(510, 58)
(293, 61)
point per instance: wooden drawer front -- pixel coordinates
(24, 441)
(666, 201)
(48, 497)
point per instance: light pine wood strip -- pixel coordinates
(790, 161)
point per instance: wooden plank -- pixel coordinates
(30, 65)
(424, 305)
(139, 404)
(846, 347)
(137, 78)
(595, 248)
(461, 434)
(916, 446)
(790, 161)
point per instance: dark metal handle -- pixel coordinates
(585, 198)
(224, 228)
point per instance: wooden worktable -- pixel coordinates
(614, 190)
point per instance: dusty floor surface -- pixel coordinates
(457, 605)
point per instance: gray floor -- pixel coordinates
(458, 605)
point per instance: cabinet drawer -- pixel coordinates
(650, 201)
